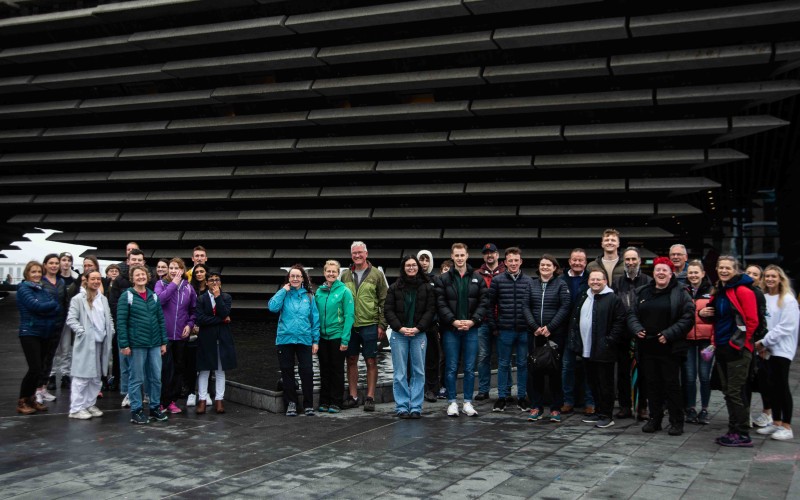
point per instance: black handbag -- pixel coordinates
(545, 358)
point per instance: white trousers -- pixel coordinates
(83, 393)
(202, 382)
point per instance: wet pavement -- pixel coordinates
(247, 453)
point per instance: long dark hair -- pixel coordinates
(408, 281)
(196, 284)
(306, 279)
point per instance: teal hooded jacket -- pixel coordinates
(337, 310)
(298, 320)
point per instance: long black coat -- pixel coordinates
(213, 329)
(424, 309)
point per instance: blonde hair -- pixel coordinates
(784, 287)
(90, 294)
(331, 262)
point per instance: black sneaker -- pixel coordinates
(703, 418)
(481, 396)
(651, 426)
(691, 416)
(350, 402)
(604, 423)
(430, 397)
(138, 417)
(415, 415)
(591, 419)
(675, 429)
(65, 381)
(523, 405)
(369, 404)
(51, 383)
(156, 414)
(499, 405)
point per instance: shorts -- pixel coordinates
(363, 340)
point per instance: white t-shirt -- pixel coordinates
(782, 325)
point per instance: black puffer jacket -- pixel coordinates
(395, 307)
(447, 297)
(549, 306)
(608, 327)
(681, 315)
(512, 298)
(625, 288)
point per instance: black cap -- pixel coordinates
(489, 247)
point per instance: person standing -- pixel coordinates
(410, 304)
(63, 356)
(679, 257)
(610, 260)
(462, 302)
(53, 283)
(337, 313)
(216, 350)
(434, 358)
(487, 338)
(90, 318)
(368, 286)
(576, 278)
(198, 282)
(298, 337)
(698, 339)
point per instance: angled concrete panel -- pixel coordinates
(567, 102)
(340, 253)
(288, 234)
(700, 126)
(561, 33)
(306, 169)
(307, 214)
(682, 184)
(750, 91)
(249, 147)
(491, 6)
(150, 72)
(721, 156)
(399, 81)
(247, 29)
(179, 217)
(20, 83)
(75, 18)
(392, 112)
(130, 235)
(146, 9)
(20, 134)
(10, 199)
(54, 178)
(108, 130)
(26, 218)
(171, 174)
(275, 193)
(374, 234)
(274, 120)
(673, 157)
(264, 92)
(742, 126)
(34, 109)
(682, 60)
(404, 190)
(506, 135)
(549, 187)
(89, 198)
(82, 218)
(670, 209)
(591, 232)
(376, 15)
(243, 63)
(59, 156)
(69, 49)
(196, 195)
(427, 139)
(436, 212)
(554, 70)
(456, 164)
(413, 47)
(220, 253)
(588, 210)
(490, 233)
(177, 151)
(148, 101)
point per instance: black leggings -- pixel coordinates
(780, 395)
(286, 356)
(36, 350)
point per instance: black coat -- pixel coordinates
(625, 288)
(681, 315)
(213, 329)
(549, 306)
(608, 327)
(512, 298)
(395, 307)
(447, 297)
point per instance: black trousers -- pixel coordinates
(115, 360)
(624, 387)
(172, 370)
(286, 357)
(601, 381)
(780, 394)
(51, 346)
(663, 378)
(434, 361)
(761, 378)
(190, 368)
(331, 372)
(35, 350)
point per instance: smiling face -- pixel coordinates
(175, 270)
(726, 270)
(136, 260)
(459, 256)
(52, 266)
(610, 243)
(513, 262)
(162, 268)
(577, 262)
(677, 254)
(546, 269)
(631, 259)
(490, 258)
(94, 281)
(771, 280)
(754, 273)
(411, 268)
(139, 278)
(662, 274)
(597, 281)
(35, 274)
(695, 275)
(331, 274)
(295, 278)
(359, 256)
(112, 273)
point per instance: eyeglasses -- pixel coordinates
(213, 280)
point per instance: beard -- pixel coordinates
(632, 271)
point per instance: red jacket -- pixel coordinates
(743, 300)
(703, 328)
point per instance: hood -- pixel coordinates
(327, 289)
(739, 279)
(604, 291)
(430, 259)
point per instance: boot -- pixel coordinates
(35, 404)
(652, 425)
(24, 408)
(201, 407)
(218, 406)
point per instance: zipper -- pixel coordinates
(541, 310)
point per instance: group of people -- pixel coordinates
(153, 336)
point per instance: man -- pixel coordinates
(63, 357)
(368, 286)
(461, 300)
(123, 266)
(610, 261)
(679, 257)
(625, 287)
(487, 339)
(510, 294)
(199, 256)
(577, 279)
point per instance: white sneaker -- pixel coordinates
(468, 410)
(770, 429)
(783, 434)
(47, 396)
(208, 400)
(81, 415)
(94, 411)
(452, 410)
(126, 402)
(191, 400)
(762, 420)
(39, 397)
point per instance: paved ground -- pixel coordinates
(252, 454)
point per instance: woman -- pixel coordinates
(298, 337)
(198, 282)
(162, 269)
(337, 314)
(143, 336)
(54, 284)
(734, 308)
(661, 317)
(409, 310)
(759, 365)
(779, 347)
(698, 339)
(38, 316)
(90, 318)
(434, 358)
(757, 273)
(178, 300)
(548, 319)
(216, 350)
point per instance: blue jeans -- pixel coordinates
(505, 345)
(125, 375)
(408, 394)
(694, 366)
(145, 369)
(568, 364)
(455, 342)
(486, 344)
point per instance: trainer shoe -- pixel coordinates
(590, 419)
(604, 423)
(334, 409)
(191, 400)
(499, 405)
(81, 415)
(138, 417)
(770, 429)
(291, 410)
(442, 393)
(555, 416)
(691, 416)
(430, 397)
(95, 411)
(703, 417)
(481, 396)
(567, 409)
(523, 404)
(39, 398)
(46, 395)
(369, 404)
(735, 441)
(452, 409)
(675, 429)
(173, 408)
(158, 414)
(350, 402)
(468, 410)
(323, 408)
(309, 412)
(536, 414)
(783, 434)
(762, 420)
(652, 426)
(126, 402)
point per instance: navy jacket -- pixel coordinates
(38, 311)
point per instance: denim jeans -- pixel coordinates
(408, 391)
(145, 368)
(505, 345)
(455, 342)
(125, 375)
(694, 366)
(486, 344)
(568, 365)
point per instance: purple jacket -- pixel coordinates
(178, 303)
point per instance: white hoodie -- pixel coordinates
(782, 323)
(586, 320)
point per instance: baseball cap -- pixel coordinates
(489, 247)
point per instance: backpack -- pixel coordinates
(761, 303)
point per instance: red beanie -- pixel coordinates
(665, 261)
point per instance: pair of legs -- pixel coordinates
(49, 355)
(733, 368)
(364, 340)
(84, 390)
(408, 354)
(536, 380)
(694, 367)
(625, 393)
(219, 381)
(433, 361)
(663, 384)
(331, 372)
(780, 395)
(570, 367)
(456, 343)
(145, 370)
(287, 353)
(172, 370)
(487, 342)
(601, 379)
(62, 361)
(35, 350)
(507, 341)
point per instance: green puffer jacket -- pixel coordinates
(336, 311)
(140, 323)
(370, 296)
